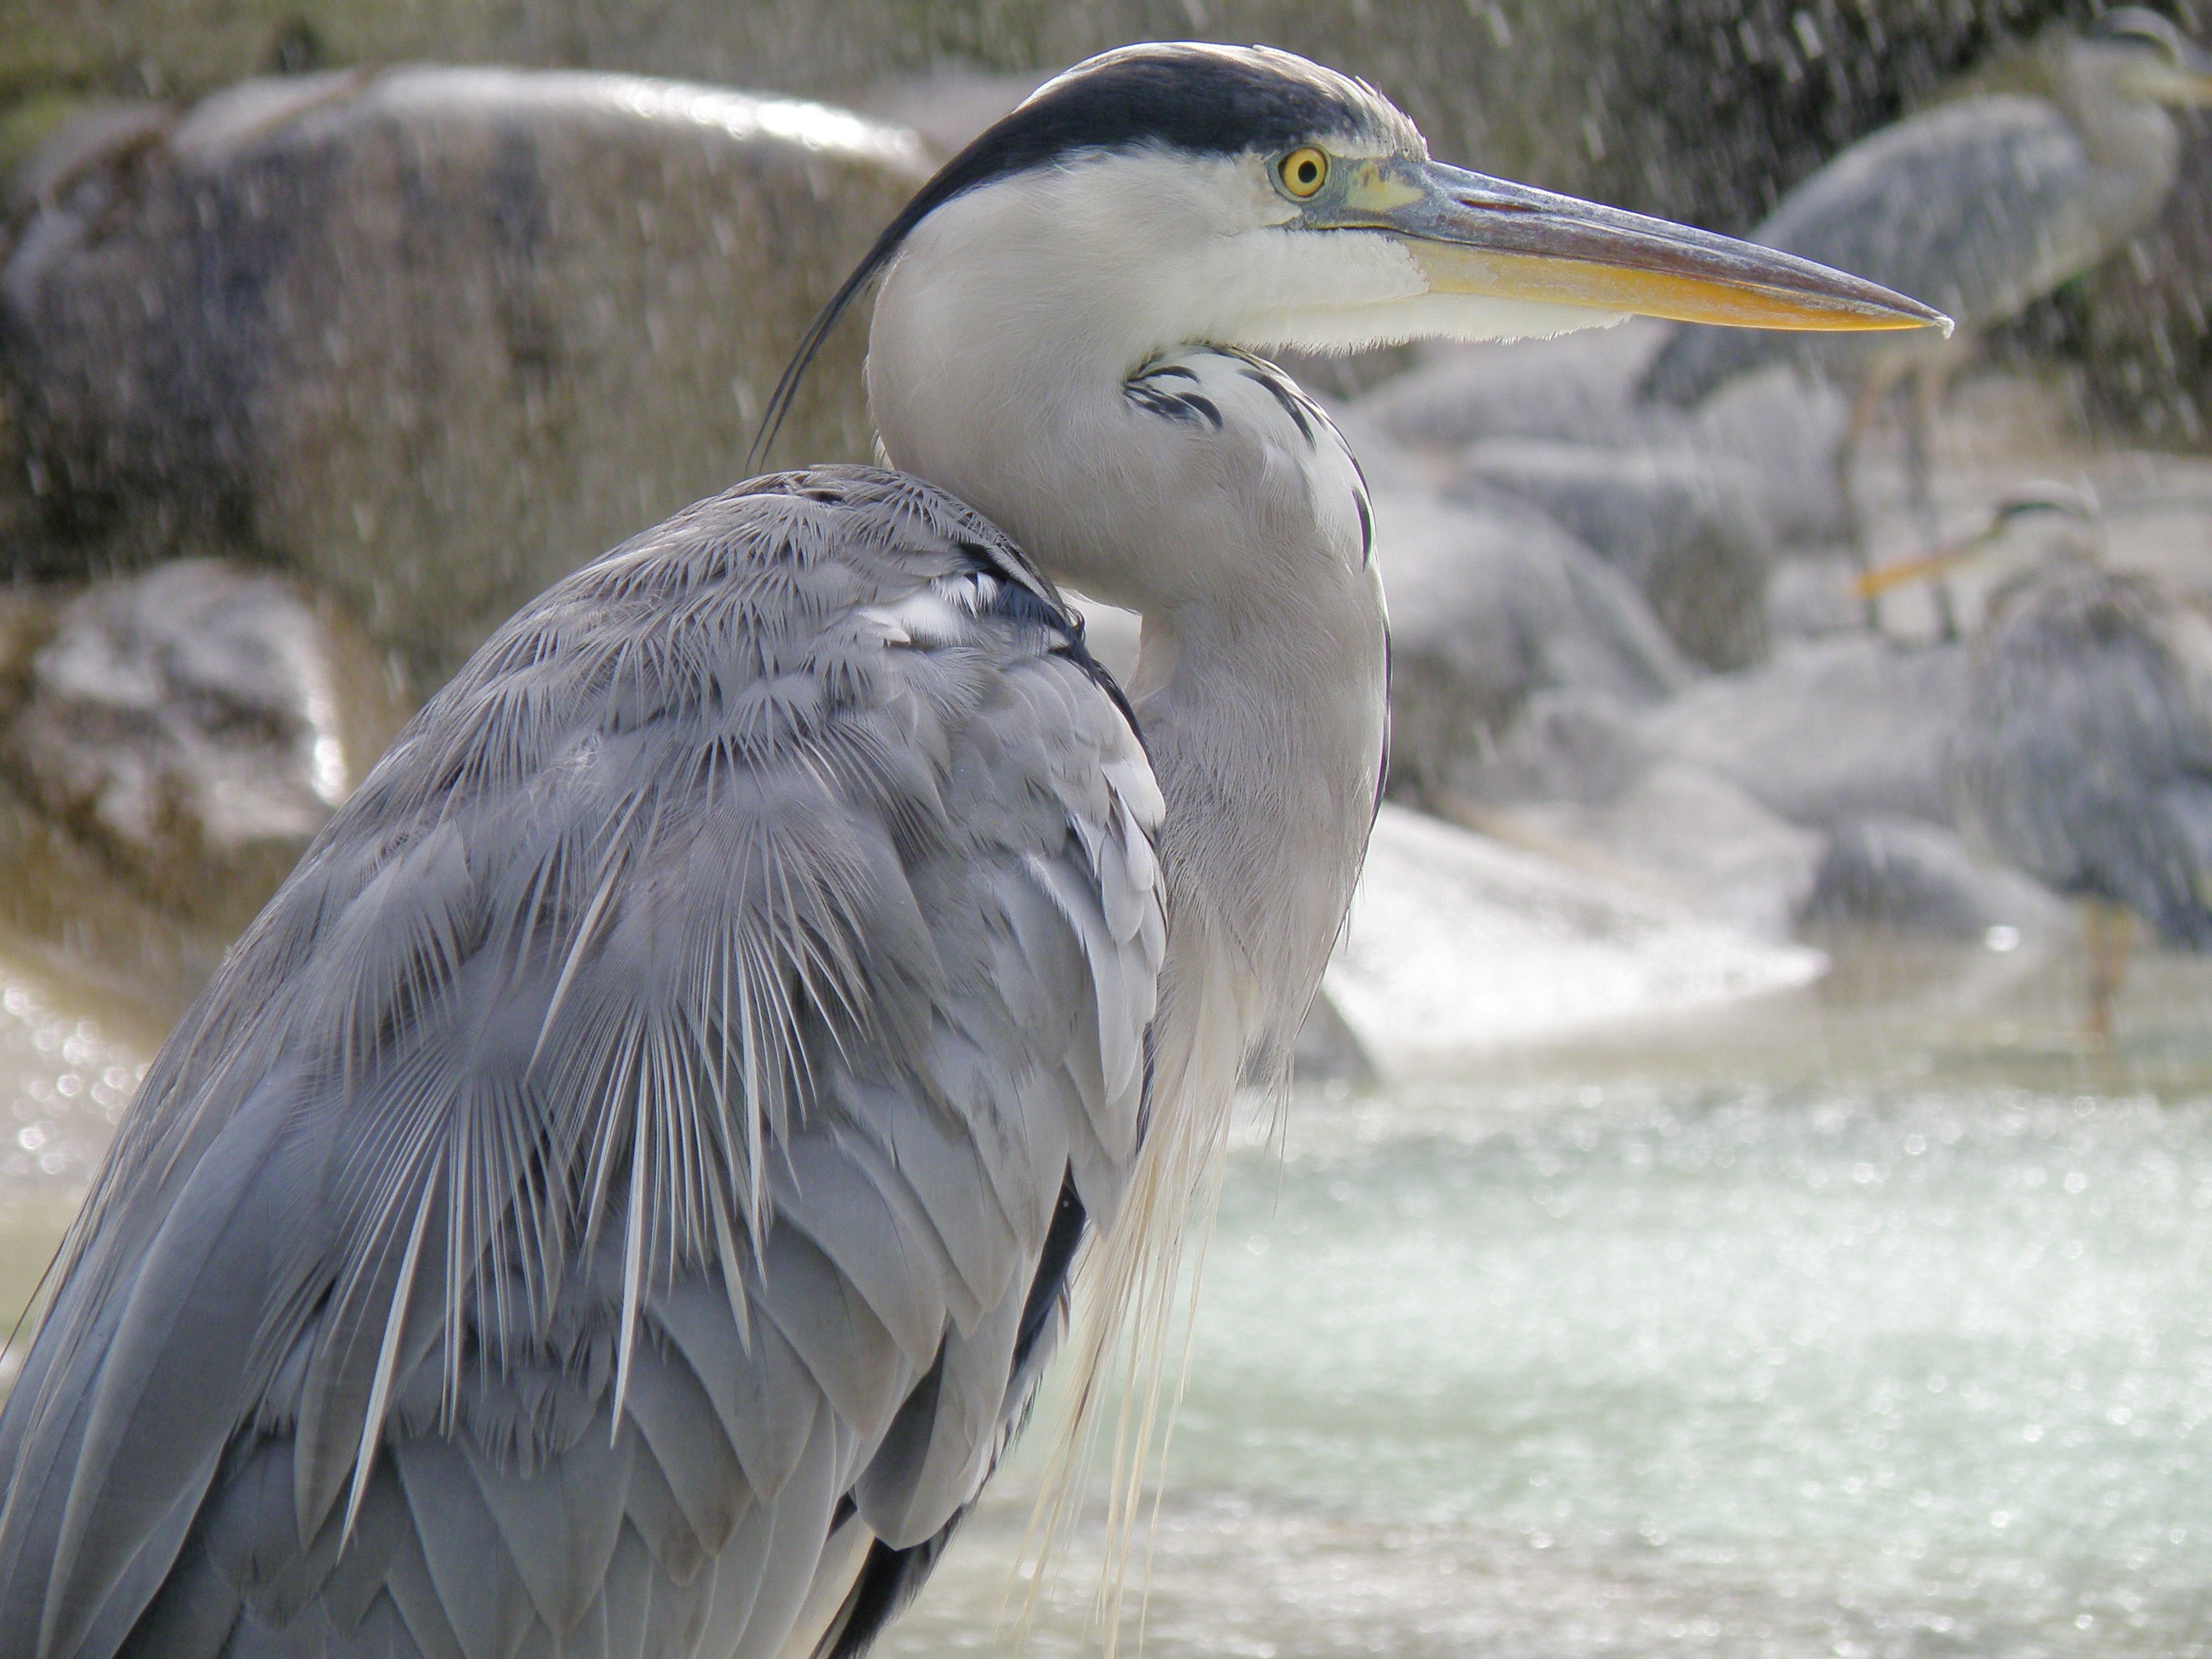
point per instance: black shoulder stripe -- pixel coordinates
(1205, 406)
(1189, 407)
(1292, 404)
(1019, 603)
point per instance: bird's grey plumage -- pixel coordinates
(645, 1111)
(2085, 753)
(1981, 205)
(617, 1199)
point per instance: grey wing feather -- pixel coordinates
(1976, 208)
(636, 1141)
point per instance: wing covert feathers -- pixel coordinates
(636, 1144)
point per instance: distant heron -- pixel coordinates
(1982, 205)
(2084, 755)
(618, 1198)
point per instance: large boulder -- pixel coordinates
(1901, 875)
(433, 337)
(1491, 601)
(1783, 432)
(1578, 388)
(1829, 731)
(1459, 944)
(1681, 831)
(1578, 778)
(1775, 434)
(1690, 530)
(169, 744)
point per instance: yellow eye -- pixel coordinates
(1304, 170)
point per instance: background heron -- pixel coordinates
(2084, 755)
(618, 1197)
(1983, 205)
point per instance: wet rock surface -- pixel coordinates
(1689, 531)
(1491, 602)
(1459, 944)
(171, 743)
(1578, 779)
(1904, 876)
(1829, 731)
(1693, 834)
(431, 337)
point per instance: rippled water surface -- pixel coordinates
(1896, 1341)
(1869, 1321)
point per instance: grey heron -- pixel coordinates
(1983, 205)
(618, 1197)
(2084, 755)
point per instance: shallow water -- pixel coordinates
(71, 1057)
(1870, 1320)
(1855, 1323)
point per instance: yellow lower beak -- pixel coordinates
(1882, 578)
(1474, 235)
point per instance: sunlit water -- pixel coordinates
(1874, 1352)
(1870, 1321)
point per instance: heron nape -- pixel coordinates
(619, 1196)
(2084, 752)
(1982, 204)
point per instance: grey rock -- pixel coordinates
(1689, 531)
(191, 729)
(1693, 834)
(1572, 745)
(1578, 388)
(1490, 602)
(1774, 435)
(1329, 1051)
(1782, 433)
(1829, 731)
(1809, 595)
(434, 337)
(1904, 875)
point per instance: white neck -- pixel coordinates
(2132, 141)
(999, 374)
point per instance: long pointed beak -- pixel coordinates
(1475, 234)
(1883, 577)
(2187, 85)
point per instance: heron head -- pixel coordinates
(1174, 193)
(2151, 60)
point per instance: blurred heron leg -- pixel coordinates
(2108, 930)
(1928, 383)
(1866, 403)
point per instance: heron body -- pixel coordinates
(1984, 204)
(2085, 752)
(618, 1198)
(1990, 202)
(2083, 755)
